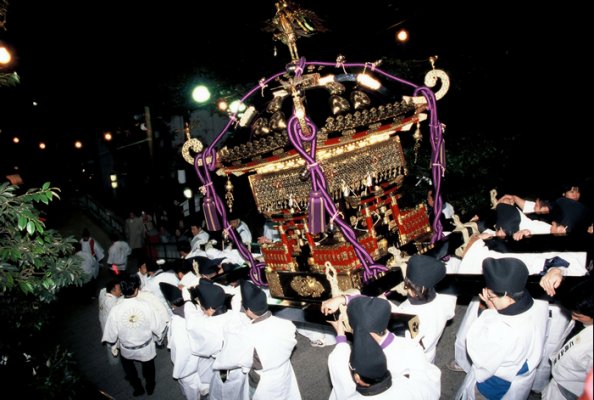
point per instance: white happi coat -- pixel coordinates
(274, 340)
(344, 387)
(571, 365)
(106, 302)
(96, 250)
(206, 338)
(117, 255)
(163, 312)
(433, 317)
(499, 345)
(134, 323)
(185, 364)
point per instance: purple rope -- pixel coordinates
(437, 154)
(297, 138)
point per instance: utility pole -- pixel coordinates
(149, 130)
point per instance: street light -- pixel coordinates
(201, 94)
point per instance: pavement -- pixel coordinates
(80, 327)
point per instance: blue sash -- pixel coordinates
(495, 388)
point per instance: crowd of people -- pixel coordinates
(225, 343)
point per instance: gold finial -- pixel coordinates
(292, 22)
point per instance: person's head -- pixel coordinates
(579, 301)
(571, 191)
(130, 285)
(368, 365)
(209, 267)
(211, 297)
(542, 206)
(114, 237)
(422, 274)
(187, 266)
(505, 280)
(253, 299)
(86, 234)
(195, 226)
(113, 287)
(507, 220)
(184, 248)
(369, 314)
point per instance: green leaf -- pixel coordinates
(22, 222)
(45, 186)
(30, 227)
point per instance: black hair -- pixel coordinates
(580, 299)
(184, 245)
(111, 284)
(130, 284)
(421, 292)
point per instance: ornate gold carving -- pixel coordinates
(191, 144)
(276, 290)
(307, 286)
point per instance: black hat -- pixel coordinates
(210, 295)
(369, 314)
(424, 270)
(253, 298)
(508, 218)
(571, 214)
(172, 293)
(188, 265)
(505, 275)
(207, 266)
(367, 357)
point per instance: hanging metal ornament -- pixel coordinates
(275, 104)
(338, 104)
(418, 139)
(359, 100)
(229, 194)
(260, 127)
(277, 121)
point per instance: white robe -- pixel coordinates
(135, 324)
(97, 251)
(185, 364)
(274, 340)
(152, 285)
(206, 336)
(89, 265)
(344, 388)
(472, 263)
(433, 317)
(406, 357)
(571, 365)
(117, 255)
(499, 346)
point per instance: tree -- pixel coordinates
(35, 263)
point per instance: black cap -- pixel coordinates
(253, 298)
(369, 314)
(210, 295)
(508, 218)
(207, 266)
(367, 357)
(571, 214)
(424, 270)
(505, 275)
(172, 293)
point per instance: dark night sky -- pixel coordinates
(90, 63)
